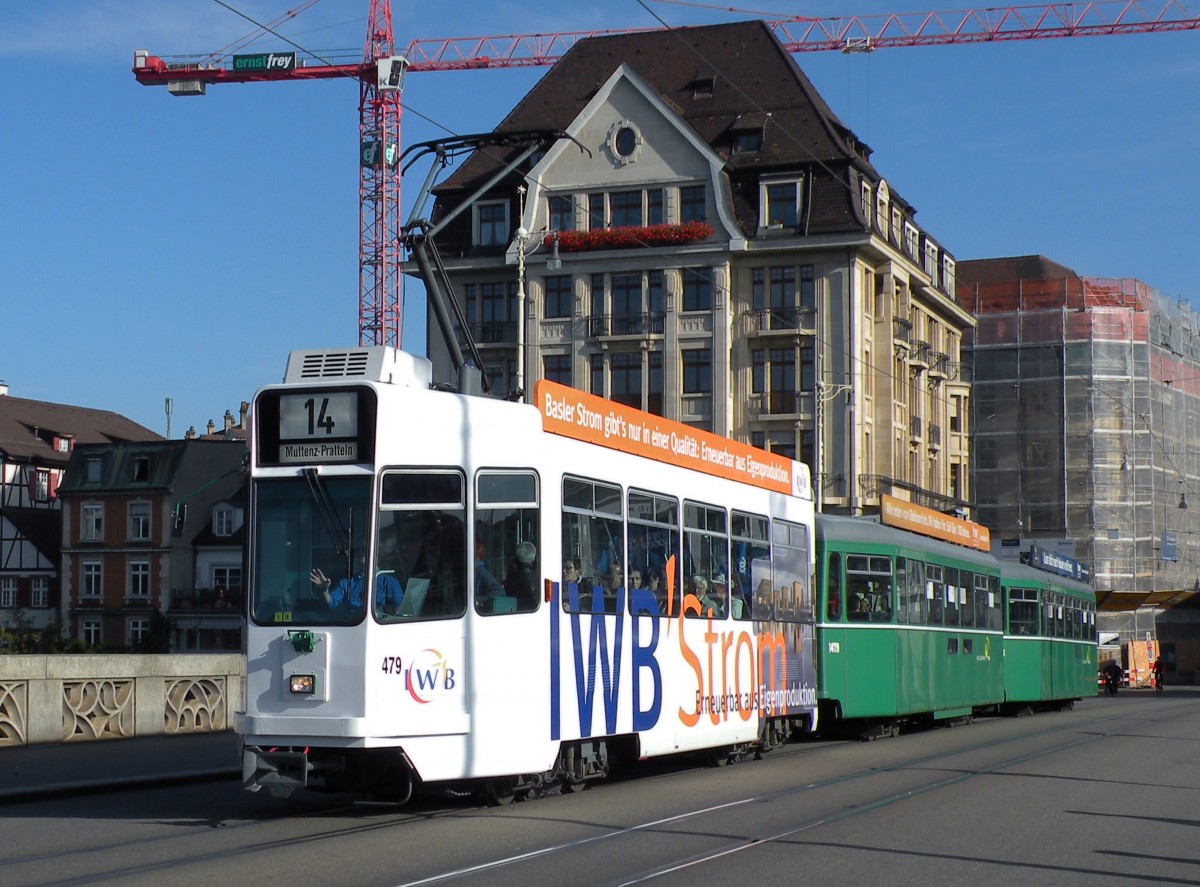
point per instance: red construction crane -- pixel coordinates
(381, 71)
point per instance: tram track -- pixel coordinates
(254, 839)
(741, 845)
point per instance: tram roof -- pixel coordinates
(1016, 571)
(863, 530)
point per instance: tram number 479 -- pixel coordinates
(392, 665)
(835, 647)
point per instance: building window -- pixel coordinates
(808, 287)
(691, 204)
(139, 631)
(780, 205)
(139, 521)
(227, 578)
(93, 468)
(560, 296)
(654, 390)
(139, 579)
(747, 140)
(625, 142)
(596, 211)
(697, 371)
(697, 289)
(557, 368)
(62, 444)
(91, 523)
(41, 485)
(223, 522)
(654, 207)
(92, 576)
(627, 379)
(931, 261)
(140, 470)
(8, 593)
(560, 212)
(625, 208)
(40, 592)
(491, 225)
(912, 241)
(89, 630)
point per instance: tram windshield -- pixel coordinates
(310, 549)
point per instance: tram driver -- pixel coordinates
(349, 591)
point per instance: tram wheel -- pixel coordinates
(498, 792)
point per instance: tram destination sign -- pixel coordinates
(315, 427)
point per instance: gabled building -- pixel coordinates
(723, 252)
(37, 439)
(131, 513)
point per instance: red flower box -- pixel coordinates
(629, 237)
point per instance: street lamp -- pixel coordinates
(522, 242)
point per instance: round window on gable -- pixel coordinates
(624, 142)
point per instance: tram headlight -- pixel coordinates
(303, 684)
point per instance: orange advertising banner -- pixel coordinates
(582, 416)
(918, 519)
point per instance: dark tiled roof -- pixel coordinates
(41, 526)
(28, 429)
(985, 271)
(756, 80)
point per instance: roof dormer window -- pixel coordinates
(140, 469)
(703, 86)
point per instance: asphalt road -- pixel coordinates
(1107, 792)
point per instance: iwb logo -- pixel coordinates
(428, 675)
(597, 660)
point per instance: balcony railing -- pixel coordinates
(648, 324)
(935, 435)
(914, 427)
(495, 332)
(790, 320)
(778, 403)
(875, 485)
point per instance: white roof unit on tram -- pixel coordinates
(375, 363)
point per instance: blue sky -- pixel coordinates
(154, 246)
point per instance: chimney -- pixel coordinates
(190, 434)
(212, 428)
(4, 388)
(228, 420)
(244, 411)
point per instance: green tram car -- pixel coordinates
(910, 628)
(1049, 641)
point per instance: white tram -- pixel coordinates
(494, 596)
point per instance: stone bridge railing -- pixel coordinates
(79, 698)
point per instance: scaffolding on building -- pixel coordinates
(1086, 408)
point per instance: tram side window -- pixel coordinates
(966, 598)
(593, 533)
(935, 594)
(868, 588)
(653, 554)
(508, 566)
(1022, 611)
(917, 600)
(423, 545)
(833, 587)
(954, 586)
(902, 590)
(789, 571)
(705, 560)
(750, 546)
(982, 598)
(995, 605)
